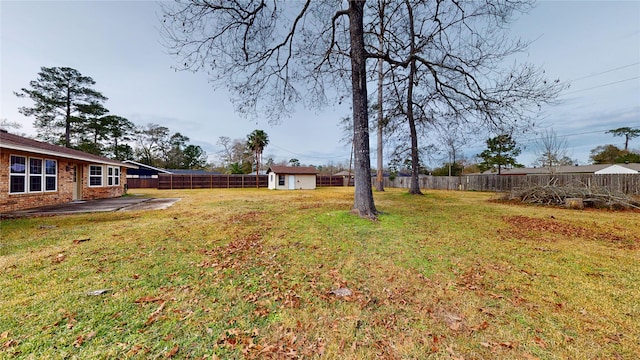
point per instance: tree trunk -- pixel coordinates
(67, 123)
(363, 203)
(414, 187)
(380, 162)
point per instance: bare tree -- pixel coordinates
(447, 65)
(552, 151)
(269, 53)
(449, 55)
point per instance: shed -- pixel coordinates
(292, 177)
(620, 169)
(35, 173)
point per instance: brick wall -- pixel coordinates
(65, 185)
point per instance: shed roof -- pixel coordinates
(293, 170)
(21, 143)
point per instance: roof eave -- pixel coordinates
(66, 156)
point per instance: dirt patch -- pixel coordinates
(540, 229)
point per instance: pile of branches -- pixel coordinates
(552, 194)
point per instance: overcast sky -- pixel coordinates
(593, 44)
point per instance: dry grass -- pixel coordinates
(249, 274)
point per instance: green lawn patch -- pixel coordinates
(254, 273)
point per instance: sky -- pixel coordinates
(593, 45)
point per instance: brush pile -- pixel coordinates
(591, 196)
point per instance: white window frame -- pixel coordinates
(96, 176)
(27, 174)
(113, 176)
(34, 175)
(53, 176)
(22, 174)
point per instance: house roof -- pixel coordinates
(191, 172)
(145, 166)
(570, 169)
(16, 142)
(295, 170)
(620, 169)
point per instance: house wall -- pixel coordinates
(306, 182)
(303, 182)
(65, 185)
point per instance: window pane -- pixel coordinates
(110, 171)
(51, 167)
(35, 166)
(95, 181)
(95, 170)
(18, 165)
(17, 184)
(110, 181)
(50, 183)
(35, 183)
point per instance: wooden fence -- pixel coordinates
(142, 183)
(624, 183)
(170, 181)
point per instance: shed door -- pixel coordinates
(292, 182)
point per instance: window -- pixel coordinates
(95, 175)
(113, 176)
(18, 174)
(50, 175)
(35, 175)
(32, 175)
(281, 180)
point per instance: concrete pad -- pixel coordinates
(129, 203)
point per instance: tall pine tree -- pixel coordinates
(64, 101)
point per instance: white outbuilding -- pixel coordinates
(292, 177)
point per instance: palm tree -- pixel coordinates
(257, 141)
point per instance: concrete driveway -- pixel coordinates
(129, 203)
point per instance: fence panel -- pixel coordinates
(142, 183)
(625, 183)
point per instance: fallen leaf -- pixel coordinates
(4, 335)
(59, 258)
(540, 342)
(172, 352)
(135, 349)
(154, 314)
(79, 341)
(9, 344)
(482, 326)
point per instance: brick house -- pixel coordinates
(34, 173)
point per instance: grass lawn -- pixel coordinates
(247, 273)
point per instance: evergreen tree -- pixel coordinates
(64, 101)
(501, 152)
